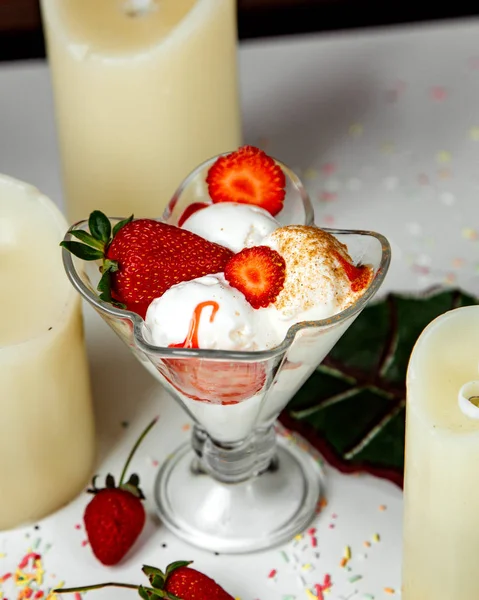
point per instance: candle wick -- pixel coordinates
(468, 399)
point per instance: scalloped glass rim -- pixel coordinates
(229, 355)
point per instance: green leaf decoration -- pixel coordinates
(352, 408)
(82, 251)
(87, 238)
(100, 226)
(121, 224)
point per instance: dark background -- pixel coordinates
(21, 35)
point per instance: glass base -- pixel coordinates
(262, 512)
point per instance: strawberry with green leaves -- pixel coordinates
(115, 517)
(178, 582)
(143, 258)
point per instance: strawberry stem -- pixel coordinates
(134, 449)
(97, 586)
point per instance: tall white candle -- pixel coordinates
(145, 90)
(441, 495)
(47, 439)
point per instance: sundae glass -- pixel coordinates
(237, 486)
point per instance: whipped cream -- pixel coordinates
(316, 283)
(235, 226)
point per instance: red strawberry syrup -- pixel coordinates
(358, 276)
(191, 340)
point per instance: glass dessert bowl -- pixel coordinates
(237, 487)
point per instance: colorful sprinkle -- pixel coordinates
(272, 573)
(310, 594)
(376, 538)
(445, 173)
(356, 129)
(328, 168)
(474, 134)
(469, 234)
(443, 157)
(355, 578)
(326, 196)
(310, 174)
(382, 507)
(387, 147)
(438, 93)
(390, 591)
(423, 179)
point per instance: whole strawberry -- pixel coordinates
(178, 582)
(115, 516)
(143, 258)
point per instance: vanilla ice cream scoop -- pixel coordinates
(204, 313)
(319, 274)
(230, 224)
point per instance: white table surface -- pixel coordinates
(384, 128)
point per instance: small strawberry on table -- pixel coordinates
(115, 517)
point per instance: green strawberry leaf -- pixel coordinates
(121, 224)
(110, 481)
(134, 480)
(352, 408)
(156, 576)
(82, 251)
(104, 287)
(177, 565)
(87, 238)
(144, 593)
(100, 226)
(109, 265)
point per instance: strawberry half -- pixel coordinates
(178, 582)
(259, 273)
(247, 176)
(115, 517)
(143, 258)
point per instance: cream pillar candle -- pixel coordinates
(441, 494)
(145, 90)
(47, 439)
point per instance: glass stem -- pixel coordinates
(233, 463)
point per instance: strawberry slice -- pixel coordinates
(214, 382)
(247, 176)
(259, 273)
(190, 210)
